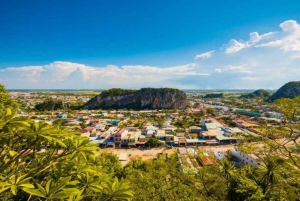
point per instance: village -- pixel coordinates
(208, 130)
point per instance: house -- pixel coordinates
(142, 138)
(212, 134)
(160, 134)
(151, 128)
(118, 136)
(169, 128)
(195, 129)
(249, 159)
(95, 121)
(212, 126)
(181, 141)
(150, 133)
(87, 130)
(127, 136)
(195, 142)
(207, 160)
(133, 137)
(169, 138)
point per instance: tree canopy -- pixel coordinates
(5, 100)
(45, 162)
(49, 105)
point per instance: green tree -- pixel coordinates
(153, 142)
(83, 125)
(40, 161)
(49, 105)
(6, 101)
(161, 180)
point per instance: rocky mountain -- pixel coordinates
(261, 93)
(150, 98)
(289, 90)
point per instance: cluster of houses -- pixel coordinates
(210, 132)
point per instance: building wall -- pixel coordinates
(244, 158)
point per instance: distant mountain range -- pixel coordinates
(261, 93)
(288, 90)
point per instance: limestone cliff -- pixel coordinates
(145, 98)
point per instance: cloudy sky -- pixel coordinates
(190, 45)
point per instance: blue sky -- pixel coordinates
(133, 44)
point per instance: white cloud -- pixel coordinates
(235, 46)
(249, 78)
(235, 69)
(204, 55)
(61, 74)
(288, 39)
(218, 70)
(255, 37)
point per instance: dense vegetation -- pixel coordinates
(160, 89)
(289, 90)
(261, 94)
(49, 105)
(214, 95)
(6, 100)
(117, 92)
(46, 162)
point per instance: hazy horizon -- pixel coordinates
(135, 89)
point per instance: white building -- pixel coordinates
(249, 159)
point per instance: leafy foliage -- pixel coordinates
(153, 142)
(6, 100)
(117, 92)
(40, 161)
(49, 105)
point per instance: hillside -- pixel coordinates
(49, 105)
(149, 98)
(289, 90)
(261, 93)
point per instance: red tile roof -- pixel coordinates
(121, 131)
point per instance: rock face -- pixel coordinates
(150, 98)
(261, 93)
(289, 90)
